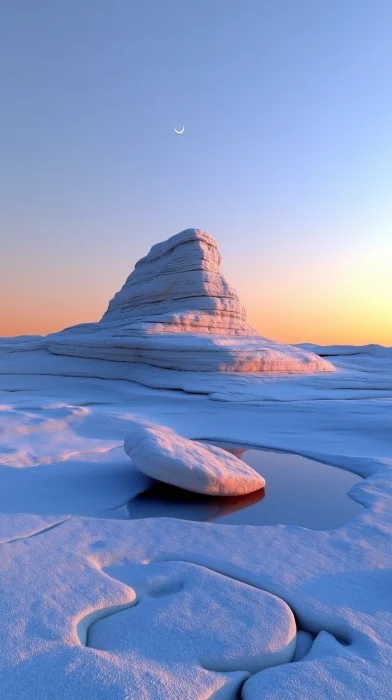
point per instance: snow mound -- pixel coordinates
(184, 614)
(176, 311)
(162, 454)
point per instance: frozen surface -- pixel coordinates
(173, 601)
(70, 581)
(298, 491)
(159, 452)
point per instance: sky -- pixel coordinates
(286, 157)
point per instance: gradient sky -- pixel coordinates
(286, 158)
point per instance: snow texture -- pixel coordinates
(164, 455)
(174, 599)
(102, 608)
(176, 311)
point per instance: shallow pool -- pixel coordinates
(298, 491)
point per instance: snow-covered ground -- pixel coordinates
(106, 609)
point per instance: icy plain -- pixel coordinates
(95, 607)
(70, 581)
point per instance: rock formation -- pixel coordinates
(177, 311)
(164, 455)
(178, 288)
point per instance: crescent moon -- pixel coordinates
(181, 130)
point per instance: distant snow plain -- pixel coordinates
(99, 608)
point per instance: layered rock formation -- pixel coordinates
(177, 311)
(178, 288)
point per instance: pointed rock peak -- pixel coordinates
(195, 237)
(176, 311)
(178, 287)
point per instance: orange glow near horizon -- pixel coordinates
(328, 324)
(344, 301)
(285, 158)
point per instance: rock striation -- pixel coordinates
(178, 288)
(177, 311)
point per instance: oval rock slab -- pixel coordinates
(162, 454)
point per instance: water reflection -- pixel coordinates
(164, 501)
(298, 491)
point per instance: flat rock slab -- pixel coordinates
(162, 454)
